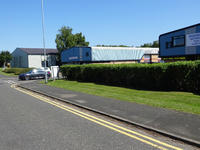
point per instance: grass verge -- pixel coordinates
(6, 74)
(180, 101)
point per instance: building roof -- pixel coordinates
(147, 50)
(38, 51)
(181, 29)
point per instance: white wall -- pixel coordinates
(35, 61)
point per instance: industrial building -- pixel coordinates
(79, 55)
(33, 57)
(184, 43)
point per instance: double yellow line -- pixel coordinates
(135, 135)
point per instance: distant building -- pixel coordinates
(33, 57)
(79, 55)
(182, 43)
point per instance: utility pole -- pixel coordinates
(45, 65)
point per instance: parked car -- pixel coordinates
(34, 74)
(46, 69)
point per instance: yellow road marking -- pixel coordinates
(86, 116)
(117, 126)
(122, 132)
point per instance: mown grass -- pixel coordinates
(6, 74)
(180, 101)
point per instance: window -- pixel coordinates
(146, 56)
(179, 41)
(44, 64)
(87, 54)
(169, 45)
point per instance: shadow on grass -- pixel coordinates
(138, 88)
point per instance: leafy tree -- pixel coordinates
(66, 39)
(80, 40)
(146, 45)
(154, 44)
(5, 57)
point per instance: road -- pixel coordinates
(29, 121)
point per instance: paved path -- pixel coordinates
(182, 125)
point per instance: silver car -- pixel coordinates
(34, 74)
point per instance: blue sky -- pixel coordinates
(108, 22)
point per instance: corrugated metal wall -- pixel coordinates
(109, 54)
(97, 54)
(76, 54)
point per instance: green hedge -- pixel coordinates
(178, 76)
(17, 71)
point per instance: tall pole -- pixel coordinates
(45, 65)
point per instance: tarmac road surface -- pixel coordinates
(29, 121)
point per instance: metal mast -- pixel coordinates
(45, 65)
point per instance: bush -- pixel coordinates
(17, 71)
(179, 76)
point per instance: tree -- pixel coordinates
(80, 40)
(154, 44)
(5, 57)
(66, 39)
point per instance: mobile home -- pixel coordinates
(107, 55)
(184, 42)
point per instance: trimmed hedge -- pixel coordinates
(17, 71)
(177, 76)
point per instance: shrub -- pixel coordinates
(17, 71)
(181, 76)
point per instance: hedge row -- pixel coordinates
(17, 71)
(178, 76)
